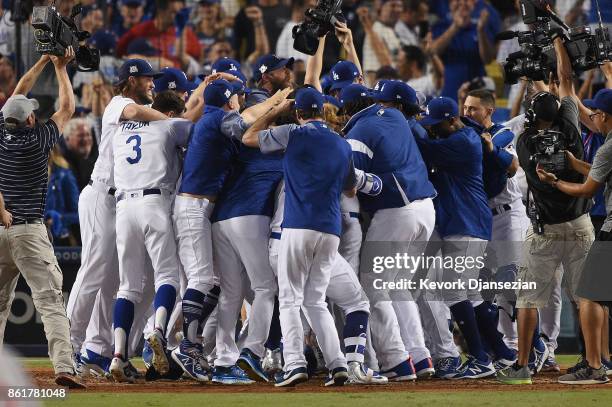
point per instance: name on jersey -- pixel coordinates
(131, 125)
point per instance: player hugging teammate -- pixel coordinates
(253, 199)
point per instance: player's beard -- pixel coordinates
(144, 98)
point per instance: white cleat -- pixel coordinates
(158, 345)
(272, 361)
(121, 372)
(359, 373)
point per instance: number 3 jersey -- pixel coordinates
(146, 154)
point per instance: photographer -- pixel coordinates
(594, 284)
(561, 231)
(25, 247)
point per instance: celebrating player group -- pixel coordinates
(219, 206)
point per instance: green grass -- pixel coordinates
(388, 399)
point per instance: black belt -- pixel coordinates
(506, 207)
(275, 235)
(28, 221)
(145, 192)
(111, 191)
(354, 215)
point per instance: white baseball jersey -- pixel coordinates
(512, 190)
(146, 154)
(103, 169)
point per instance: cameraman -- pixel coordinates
(24, 246)
(594, 284)
(561, 231)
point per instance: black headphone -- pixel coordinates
(530, 114)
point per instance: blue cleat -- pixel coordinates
(448, 367)
(251, 365)
(424, 368)
(187, 356)
(286, 379)
(230, 375)
(538, 356)
(337, 377)
(472, 368)
(97, 364)
(147, 355)
(401, 373)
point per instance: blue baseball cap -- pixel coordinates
(343, 74)
(269, 63)
(174, 79)
(396, 91)
(332, 100)
(137, 67)
(225, 64)
(142, 46)
(439, 109)
(219, 92)
(309, 99)
(602, 101)
(209, 2)
(354, 92)
(105, 41)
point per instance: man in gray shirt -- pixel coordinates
(595, 282)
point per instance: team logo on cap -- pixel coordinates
(314, 106)
(335, 76)
(133, 69)
(233, 67)
(227, 93)
(263, 68)
(172, 85)
(427, 110)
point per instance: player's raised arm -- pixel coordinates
(271, 139)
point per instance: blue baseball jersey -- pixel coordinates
(210, 152)
(461, 206)
(384, 145)
(250, 187)
(317, 167)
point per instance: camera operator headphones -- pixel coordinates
(530, 114)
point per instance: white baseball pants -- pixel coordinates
(305, 260)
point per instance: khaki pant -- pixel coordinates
(26, 249)
(564, 243)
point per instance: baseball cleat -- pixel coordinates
(473, 368)
(501, 364)
(251, 365)
(186, 356)
(551, 365)
(272, 362)
(147, 355)
(401, 373)
(447, 367)
(95, 363)
(608, 365)
(157, 342)
(359, 373)
(286, 379)
(586, 375)
(230, 375)
(79, 367)
(337, 377)
(538, 356)
(121, 372)
(424, 368)
(514, 375)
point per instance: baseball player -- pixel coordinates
(99, 269)
(345, 291)
(404, 211)
(317, 168)
(271, 74)
(500, 163)
(174, 80)
(146, 169)
(464, 218)
(241, 228)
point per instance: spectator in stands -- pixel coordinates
(284, 45)
(131, 13)
(141, 48)
(174, 42)
(92, 19)
(106, 42)
(209, 26)
(465, 41)
(61, 210)
(274, 17)
(78, 150)
(413, 24)
(7, 32)
(412, 67)
(381, 45)
(8, 79)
